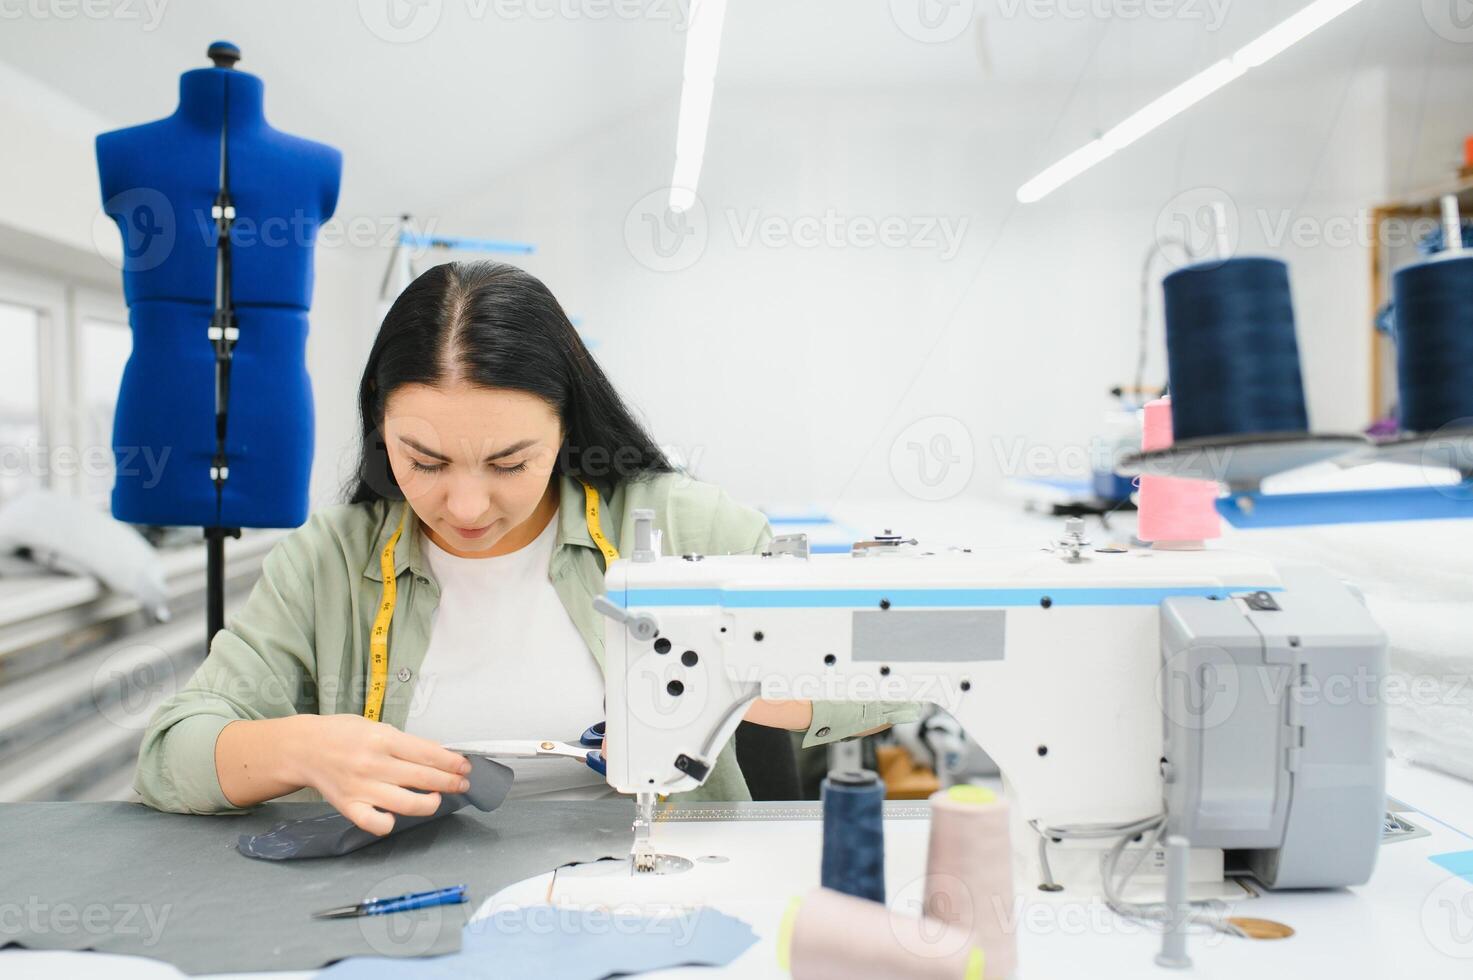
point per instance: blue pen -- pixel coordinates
(383, 906)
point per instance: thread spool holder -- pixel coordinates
(1450, 448)
(1240, 462)
(1428, 503)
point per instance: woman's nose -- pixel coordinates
(466, 503)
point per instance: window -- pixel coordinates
(61, 366)
(22, 429)
(103, 346)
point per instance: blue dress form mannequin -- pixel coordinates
(159, 181)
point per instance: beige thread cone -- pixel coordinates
(828, 935)
(969, 873)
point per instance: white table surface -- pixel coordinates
(1412, 919)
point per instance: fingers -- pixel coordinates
(379, 768)
(368, 808)
(376, 822)
(406, 801)
(413, 776)
(412, 748)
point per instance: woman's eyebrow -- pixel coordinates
(513, 448)
(412, 444)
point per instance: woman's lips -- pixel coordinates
(471, 532)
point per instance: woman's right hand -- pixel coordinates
(364, 768)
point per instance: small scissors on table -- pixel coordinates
(587, 749)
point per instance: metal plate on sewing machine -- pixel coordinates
(1447, 448)
(1396, 827)
(928, 635)
(765, 810)
(1241, 462)
(665, 864)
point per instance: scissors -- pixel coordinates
(587, 749)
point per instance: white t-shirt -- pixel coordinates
(506, 662)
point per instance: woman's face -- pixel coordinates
(474, 463)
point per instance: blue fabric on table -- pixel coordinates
(546, 942)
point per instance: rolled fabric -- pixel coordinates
(969, 873)
(826, 935)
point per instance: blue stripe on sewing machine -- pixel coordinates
(1430, 503)
(795, 518)
(916, 598)
(413, 240)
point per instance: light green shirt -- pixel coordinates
(300, 644)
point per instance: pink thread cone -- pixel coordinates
(1173, 509)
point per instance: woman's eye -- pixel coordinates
(509, 470)
(426, 467)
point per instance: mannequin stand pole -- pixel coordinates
(215, 579)
(223, 334)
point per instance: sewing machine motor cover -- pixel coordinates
(1275, 730)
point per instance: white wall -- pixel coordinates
(788, 373)
(48, 176)
(1429, 119)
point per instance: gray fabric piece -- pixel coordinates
(333, 835)
(123, 878)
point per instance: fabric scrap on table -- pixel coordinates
(332, 834)
(550, 942)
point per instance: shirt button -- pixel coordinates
(822, 731)
(404, 674)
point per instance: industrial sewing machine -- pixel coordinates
(1238, 697)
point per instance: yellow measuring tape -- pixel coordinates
(595, 528)
(378, 641)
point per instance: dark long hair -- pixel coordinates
(496, 326)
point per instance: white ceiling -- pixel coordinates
(861, 41)
(494, 84)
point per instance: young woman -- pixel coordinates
(499, 474)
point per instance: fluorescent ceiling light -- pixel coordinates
(1177, 101)
(1064, 171)
(702, 49)
(1269, 45)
